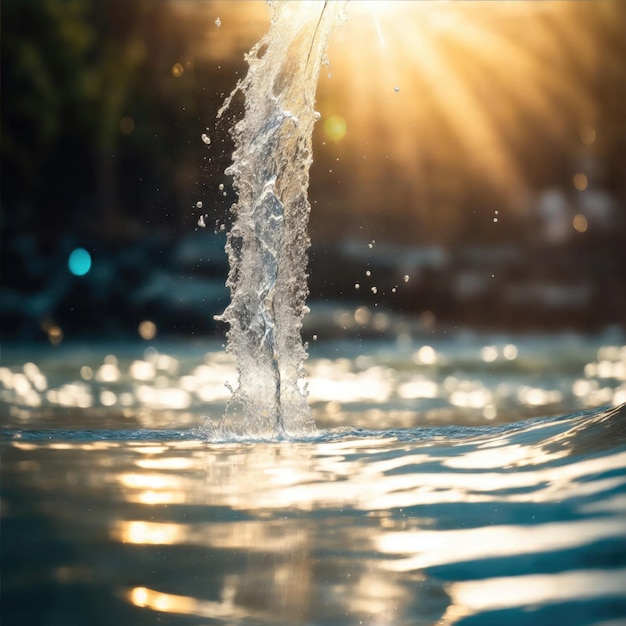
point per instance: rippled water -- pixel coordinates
(427, 496)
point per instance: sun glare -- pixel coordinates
(470, 81)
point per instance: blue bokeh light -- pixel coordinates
(79, 262)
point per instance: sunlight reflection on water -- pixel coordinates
(439, 514)
(389, 385)
(355, 527)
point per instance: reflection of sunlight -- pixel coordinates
(535, 396)
(426, 355)
(150, 533)
(108, 371)
(275, 536)
(142, 370)
(522, 591)
(71, 394)
(428, 548)
(153, 488)
(418, 387)
(436, 383)
(376, 595)
(505, 456)
(185, 605)
(149, 481)
(168, 398)
(374, 384)
(290, 484)
(471, 398)
(158, 497)
(171, 463)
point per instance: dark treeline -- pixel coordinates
(100, 134)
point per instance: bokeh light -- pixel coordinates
(580, 223)
(79, 262)
(580, 181)
(335, 128)
(147, 330)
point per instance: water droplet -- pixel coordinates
(314, 337)
(357, 286)
(206, 139)
(406, 278)
(330, 74)
(201, 221)
(221, 186)
(394, 289)
(374, 290)
(396, 89)
(218, 22)
(199, 204)
(368, 273)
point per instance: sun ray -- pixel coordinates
(472, 77)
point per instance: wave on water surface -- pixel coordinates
(584, 431)
(513, 523)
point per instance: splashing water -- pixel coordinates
(267, 245)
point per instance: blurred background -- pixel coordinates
(469, 167)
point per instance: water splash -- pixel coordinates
(267, 245)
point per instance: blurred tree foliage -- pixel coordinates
(104, 103)
(91, 105)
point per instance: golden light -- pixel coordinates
(149, 533)
(55, 335)
(162, 602)
(580, 223)
(153, 488)
(147, 330)
(335, 128)
(580, 181)
(431, 88)
(433, 106)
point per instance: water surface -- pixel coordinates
(437, 514)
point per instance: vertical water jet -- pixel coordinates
(268, 242)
